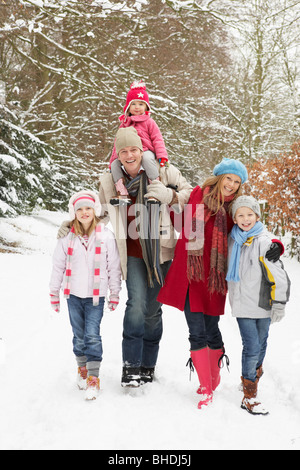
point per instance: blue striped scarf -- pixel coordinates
(240, 237)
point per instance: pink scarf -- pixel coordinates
(96, 286)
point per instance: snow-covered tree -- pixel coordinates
(70, 65)
(264, 98)
(276, 183)
(31, 173)
(222, 76)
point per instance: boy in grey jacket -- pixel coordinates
(258, 292)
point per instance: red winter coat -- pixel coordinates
(149, 133)
(177, 286)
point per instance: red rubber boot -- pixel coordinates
(215, 355)
(201, 363)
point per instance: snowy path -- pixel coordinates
(42, 409)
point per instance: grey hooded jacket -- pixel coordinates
(262, 285)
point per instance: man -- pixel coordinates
(146, 240)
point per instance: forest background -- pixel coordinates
(223, 78)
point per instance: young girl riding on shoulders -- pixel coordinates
(137, 114)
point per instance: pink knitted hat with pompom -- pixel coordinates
(137, 92)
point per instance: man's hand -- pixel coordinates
(159, 191)
(64, 229)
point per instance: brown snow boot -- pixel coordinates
(250, 402)
(259, 372)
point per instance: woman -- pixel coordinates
(196, 280)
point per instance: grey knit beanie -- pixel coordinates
(245, 201)
(127, 137)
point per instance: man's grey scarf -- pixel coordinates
(148, 226)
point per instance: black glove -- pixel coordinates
(274, 252)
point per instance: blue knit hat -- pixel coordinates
(231, 166)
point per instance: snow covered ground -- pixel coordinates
(41, 408)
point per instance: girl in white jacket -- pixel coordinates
(258, 291)
(85, 264)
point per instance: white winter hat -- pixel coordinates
(84, 198)
(245, 201)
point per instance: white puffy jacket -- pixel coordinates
(82, 279)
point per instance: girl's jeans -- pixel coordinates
(142, 326)
(254, 333)
(85, 321)
(203, 329)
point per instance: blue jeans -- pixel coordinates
(85, 321)
(203, 329)
(254, 333)
(142, 326)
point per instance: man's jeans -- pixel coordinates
(203, 329)
(142, 327)
(254, 333)
(85, 320)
